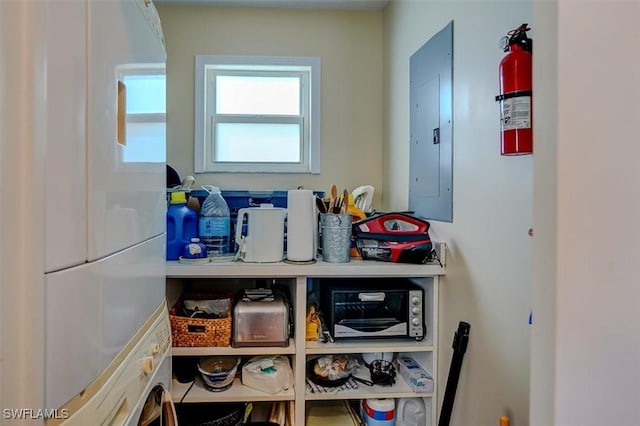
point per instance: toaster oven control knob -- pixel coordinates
(415, 300)
(415, 321)
(147, 365)
(415, 311)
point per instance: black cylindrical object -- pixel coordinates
(460, 340)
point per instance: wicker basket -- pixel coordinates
(200, 332)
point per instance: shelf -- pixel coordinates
(375, 392)
(355, 268)
(228, 350)
(363, 346)
(399, 390)
(236, 393)
(298, 278)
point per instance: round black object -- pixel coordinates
(382, 372)
(185, 369)
(219, 414)
(173, 178)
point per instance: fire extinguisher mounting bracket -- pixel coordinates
(514, 95)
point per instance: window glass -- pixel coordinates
(257, 95)
(145, 93)
(145, 143)
(258, 114)
(259, 143)
(146, 118)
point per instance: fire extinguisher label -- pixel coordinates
(516, 113)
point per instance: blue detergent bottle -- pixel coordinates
(182, 225)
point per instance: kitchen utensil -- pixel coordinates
(336, 206)
(322, 207)
(331, 383)
(264, 241)
(336, 237)
(334, 198)
(344, 205)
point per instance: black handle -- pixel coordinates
(460, 341)
(363, 381)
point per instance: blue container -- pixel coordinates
(378, 412)
(182, 225)
(194, 250)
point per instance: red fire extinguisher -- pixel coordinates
(515, 93)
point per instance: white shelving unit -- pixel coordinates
(296, 278)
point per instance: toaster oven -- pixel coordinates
(373, 308)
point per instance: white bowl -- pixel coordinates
(218, 372)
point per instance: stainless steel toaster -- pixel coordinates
(261, 320)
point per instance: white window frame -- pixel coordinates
(206, 68)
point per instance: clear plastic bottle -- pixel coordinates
(214, 225)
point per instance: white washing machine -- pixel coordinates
(136, 387)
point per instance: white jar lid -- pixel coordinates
(383, 405)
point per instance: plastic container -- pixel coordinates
(182, 225)
(411, 412)
(379, 412)
(218, 372)
(240, 199)
(357, 214)
(214, 224)
(194, 250)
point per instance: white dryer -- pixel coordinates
(134, 389)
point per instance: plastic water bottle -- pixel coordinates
(182, 225)
(215, 224)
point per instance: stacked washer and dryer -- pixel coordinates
(107, 335)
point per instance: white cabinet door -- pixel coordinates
(92, 312)
(65, 149)
(126, 152)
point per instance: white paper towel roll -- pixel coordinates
(301, 228)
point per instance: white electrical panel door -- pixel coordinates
(65, 148)
(93, 310)
(126, 127)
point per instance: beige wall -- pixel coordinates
(488, 281)
(349, 44)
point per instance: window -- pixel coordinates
(145, 117)
(257, 114)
